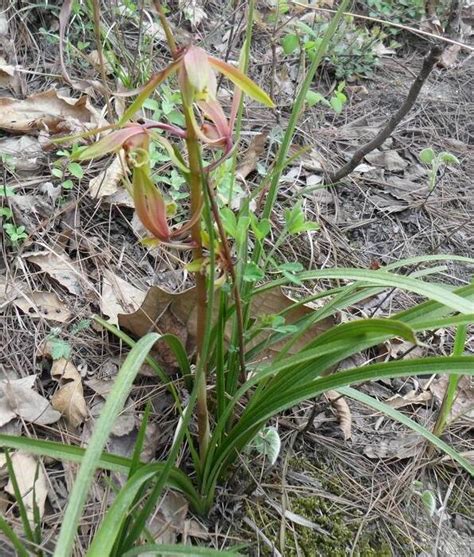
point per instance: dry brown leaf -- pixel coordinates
(31, 481)
(21, 401)
(274, 301)
(449, 57)
(388, 160)
(343, 412)
(412, 397)
(402, 446)
(107, 182)
(164, 312)
(169, 521)
(119, 296)
(69, 398)
(25, 152)
(43, 304)
(463, 404)
(58, 265)
(49, 111)
(251, 156)
(8, 76)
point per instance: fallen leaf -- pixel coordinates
(343, 412)
(94, 59)
(43, 304)
(107, 182)
(49, 111)
(3, 24)
(119, 296)
(24, 153)
(69, 398)
(274, 301)
(449, 56)
(193, 11)
(169, 521)
(164, 312)
(8, 76)
(31, 481)
(389, 160)
(403, 446)
(412, 397)
(251, 156)
(463, 404)
(20, 399)
(58, 265)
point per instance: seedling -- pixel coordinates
(436, 162)
(16, 234)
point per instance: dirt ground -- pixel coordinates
(329, 493)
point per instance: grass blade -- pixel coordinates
(10, 534)
(405, 420)
(113, 405)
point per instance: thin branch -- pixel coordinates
(428, 64)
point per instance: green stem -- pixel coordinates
(451, 389)
(195, 185)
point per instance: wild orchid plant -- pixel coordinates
(235, 387)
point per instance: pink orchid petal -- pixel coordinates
(197, 68)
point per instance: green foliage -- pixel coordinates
(337, 101)
(398, 11)
(436, 162)
(352, 51)
(16, 234)
(235, 388)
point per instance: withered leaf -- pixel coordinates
(43, 304)
(25, 403)
(69, 398)
(31, 481)
(49, 111)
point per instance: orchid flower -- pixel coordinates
(197, 78)
(149, 203)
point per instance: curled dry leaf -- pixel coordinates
(463, 404)
(8, 76)
(69, 398)
(106, 184)
(43, 304)
(169, 521)
(18, 400)
(118, 296)
(412, 397)
(251, 157)
(58, 265)
(31, 481)
(343, 412)
(49, 111)
(163, 312)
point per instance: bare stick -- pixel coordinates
(428, 64)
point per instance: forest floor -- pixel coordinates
(334, 490)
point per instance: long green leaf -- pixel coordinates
(110, 527)
(405, 420)
(113, 405)
(382, 278)
(256, 417)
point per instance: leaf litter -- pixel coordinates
(69, 398)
